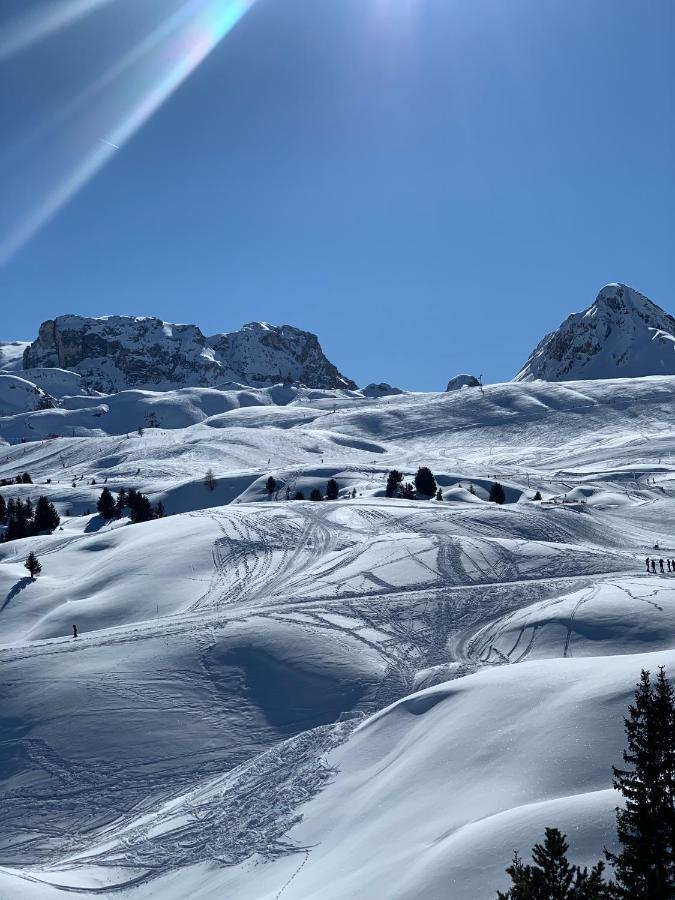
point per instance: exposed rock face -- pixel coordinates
(115, 353)
(381, 390)
(261, 354)
(622, 335)
(460, 381)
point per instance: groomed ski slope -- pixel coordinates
(367, 698)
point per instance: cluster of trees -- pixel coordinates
(20, 479)
(425, 486)
(22, 519)
(644, 865)
(139, 506)
(332, 491)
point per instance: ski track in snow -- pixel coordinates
(231, 652)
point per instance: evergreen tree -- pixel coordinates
(33, 565)
(394, 479)
(537, 496)
(26, 479)
(332, 489)
(316, 494)
(19, 520)
(141, 510)
(425, 482)
(120, 501)
(3, 510)
(407, 491)
(439, 495)
(552, 877)
(271, 485)
(106, 505)
(644, 867)
(46, 517)
(299, 495)
(497, 493)
(472, 489)
(210, 480)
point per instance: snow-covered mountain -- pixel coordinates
(114, 353)
(622, 335)
(11, 355)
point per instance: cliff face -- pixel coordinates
(115, 353)
(621, 335)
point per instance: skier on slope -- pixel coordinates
(654, 566)
(647, 563)
(661, 565)
(74, 631)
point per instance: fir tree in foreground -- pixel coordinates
(33, 565)
(644, 867)
(46, 517)
(316, 495)
(552, 877)
(271, 485)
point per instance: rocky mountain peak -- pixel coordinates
(623, 334)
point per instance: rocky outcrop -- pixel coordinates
(622, 335)
(460, 381)
(115, 353)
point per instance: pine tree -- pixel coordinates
(394, 478)
(33, 565)
(497, 493)
(407, 491)
(425, 482)
(210, 480)
(537, 496)
(299, 495)
(3, 510)
(271, 485)
(332, 489)
(439, 495)
(552, 877)
(120, 501)
(316, 494)
(472, 489)
(46, 517)
(106, 505)
(644, 867)
(26, 479)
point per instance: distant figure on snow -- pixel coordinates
(668, 563)
(661, 565)
(647, 563)
(654, 566)
(74, 631)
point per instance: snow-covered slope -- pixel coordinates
(114, 353)
(17, 395)
(11, 355)
(622, 335)
(368, 698)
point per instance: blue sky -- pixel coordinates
(429, 185)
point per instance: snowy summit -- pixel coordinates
(622, 335)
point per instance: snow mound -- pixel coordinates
(622, 335)
(18, 395)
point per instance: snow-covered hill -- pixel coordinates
(11, 355)
(275, 699)
(114, 353)
(622, 335)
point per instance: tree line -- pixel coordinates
(644, 865)
(21, 519)
(139, 507)
(424, 486)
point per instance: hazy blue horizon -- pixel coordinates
(428, 188)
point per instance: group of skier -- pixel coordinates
(651, 565)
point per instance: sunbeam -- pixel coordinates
(113, 108)
(38, 25)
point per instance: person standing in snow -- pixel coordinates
(647, 563)
(661, 565)
(654, 566)
(74, 631)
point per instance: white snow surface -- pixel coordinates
(11, 355)
(622, 335)
(365, 698)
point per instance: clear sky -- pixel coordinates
(429, 185)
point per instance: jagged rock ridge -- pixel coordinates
(622, 335)
(115, 353)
